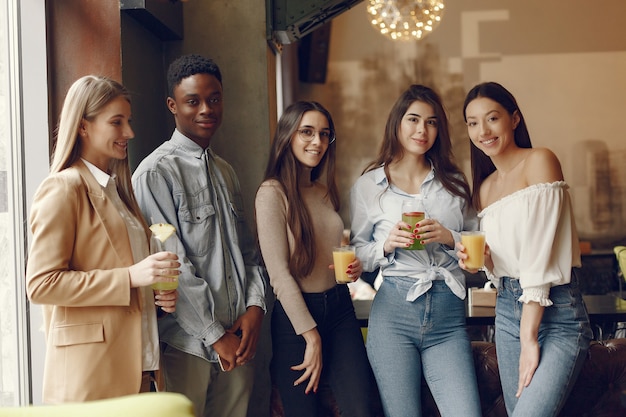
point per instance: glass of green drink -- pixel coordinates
(413, 213)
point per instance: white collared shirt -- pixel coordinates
(141, 249)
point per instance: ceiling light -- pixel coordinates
(405, 20)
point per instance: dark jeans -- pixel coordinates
(345, 368)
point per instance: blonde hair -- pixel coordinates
(85, 99)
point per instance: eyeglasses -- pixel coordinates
(307, 134)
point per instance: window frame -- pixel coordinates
(27, 165)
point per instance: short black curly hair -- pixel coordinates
(188, 65)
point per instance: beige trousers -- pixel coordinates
(214, 393)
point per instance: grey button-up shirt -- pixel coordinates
(199, 193)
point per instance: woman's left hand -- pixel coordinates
(312, 362)
(355, 269)
(166, 299)
(528, 363)
(431, 231)
(532, 314)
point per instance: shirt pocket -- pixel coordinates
(76, 334)
(447, 210)
(197, 224)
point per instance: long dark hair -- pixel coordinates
(284, 167)
(440, 154)
(482, 166)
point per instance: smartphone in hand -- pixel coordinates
(222, 362)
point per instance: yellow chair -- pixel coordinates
(620, 252)
(152, 404)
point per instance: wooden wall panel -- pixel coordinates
(84, 37)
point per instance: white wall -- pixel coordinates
(564, 61)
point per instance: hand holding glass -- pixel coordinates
(162, 240)
(342, 257)
(474, 243)
(412, 214)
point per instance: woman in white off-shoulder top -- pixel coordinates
(542, 327)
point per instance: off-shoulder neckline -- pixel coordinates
(523, 191)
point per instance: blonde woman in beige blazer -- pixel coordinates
(89, 263)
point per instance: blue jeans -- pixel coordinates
(345, 370)
(427, 336)
(564, 336)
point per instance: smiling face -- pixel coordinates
(418, 128)
(197, 107)
(310, 153)
(490, 126)
(106, 136)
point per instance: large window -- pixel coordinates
(23, 165)
(14, 385)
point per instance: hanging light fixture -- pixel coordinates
(405, 19)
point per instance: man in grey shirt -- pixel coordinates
(210, 340)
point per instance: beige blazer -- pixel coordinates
(78, 268)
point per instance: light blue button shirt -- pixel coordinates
(376, 208)
(198, 192)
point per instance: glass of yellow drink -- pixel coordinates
(164, 239)
(342, 257)
(474, 243)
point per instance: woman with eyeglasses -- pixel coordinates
(316, 339)
(417, 319)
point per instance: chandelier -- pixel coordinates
(405, 19)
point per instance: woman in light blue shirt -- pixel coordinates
(417, 320)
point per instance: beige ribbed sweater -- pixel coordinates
(277, 243)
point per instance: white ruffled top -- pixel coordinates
(532, 236)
